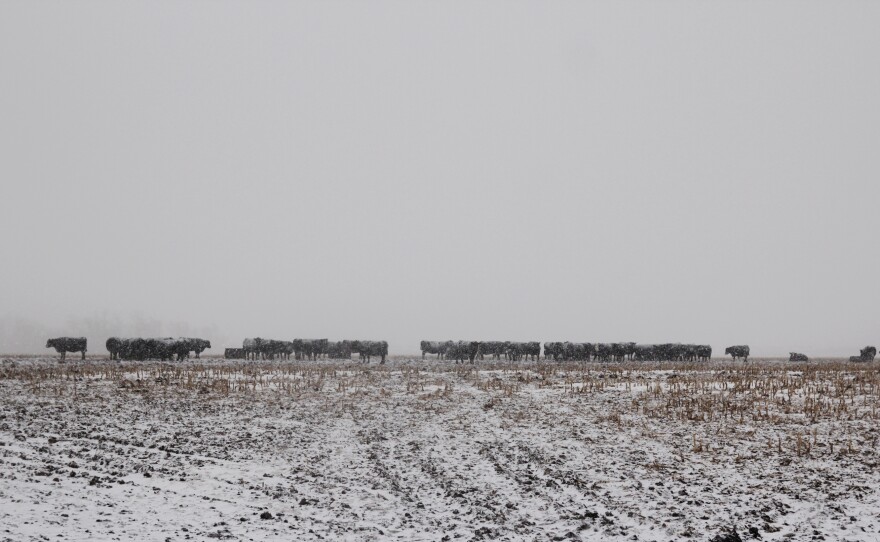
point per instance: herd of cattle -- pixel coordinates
(169, 348)
(310, 349)
(470, 350)
(572, 351)
(166, 348)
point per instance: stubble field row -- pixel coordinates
(431, 450)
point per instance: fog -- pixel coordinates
(603, 171)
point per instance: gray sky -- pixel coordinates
(669, 171)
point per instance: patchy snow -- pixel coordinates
(416, 450)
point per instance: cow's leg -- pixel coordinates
(62, 355)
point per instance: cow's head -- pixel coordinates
(50, 343)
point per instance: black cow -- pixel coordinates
(434, 347)
(310, 349)
(368, 349)
(553, 350)
(176, 347)
(679, 352)
(604, 351)
(142, 349)
(339, 349)
(461, 350)
(530, 349)
(259, 348)
(495, 349)
(739, 351)
(867, 353)
(576, 351)
(234, 353)
(374, 348)
(795, 356)
(63, 345)
(644, 352)
(197, 345)
(704, 352)
(567, 351)
(253, 348)
(114, 346)
(270, 349)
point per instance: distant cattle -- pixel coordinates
(198, 345)
(114, 346)
(163, 348)
(463, 350)
(796, 356)
(604, 351)
(310, 349)
(252, 348)
(528, 350)
(622, 351)
(375, 348)
(739, 351)
(704, 352)
(510, 350)
(553, 350)
(234, 353)
(644, 352)
(867, 353)
(272, 349)
(63, 345)
(339, 349)
(434, 347)
(494, 349)
(368, 349)
(672, 352)
(568, 351)
(259, 348)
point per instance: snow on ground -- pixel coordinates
(414, 450)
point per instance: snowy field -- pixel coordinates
(414, 450)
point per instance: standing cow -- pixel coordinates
(234, 353)
(739, 351)
(530, 350)
(433, 347)
(368, 349)
(375, 348)
(704, 352)
(253, 348)
(495, 349)
(115, 346)
(795, 356)
(553, 349)
(461, 350)
(867, 353)
(197, 345)
(339, 350)
(63, 345)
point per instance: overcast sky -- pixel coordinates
(590, 171)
